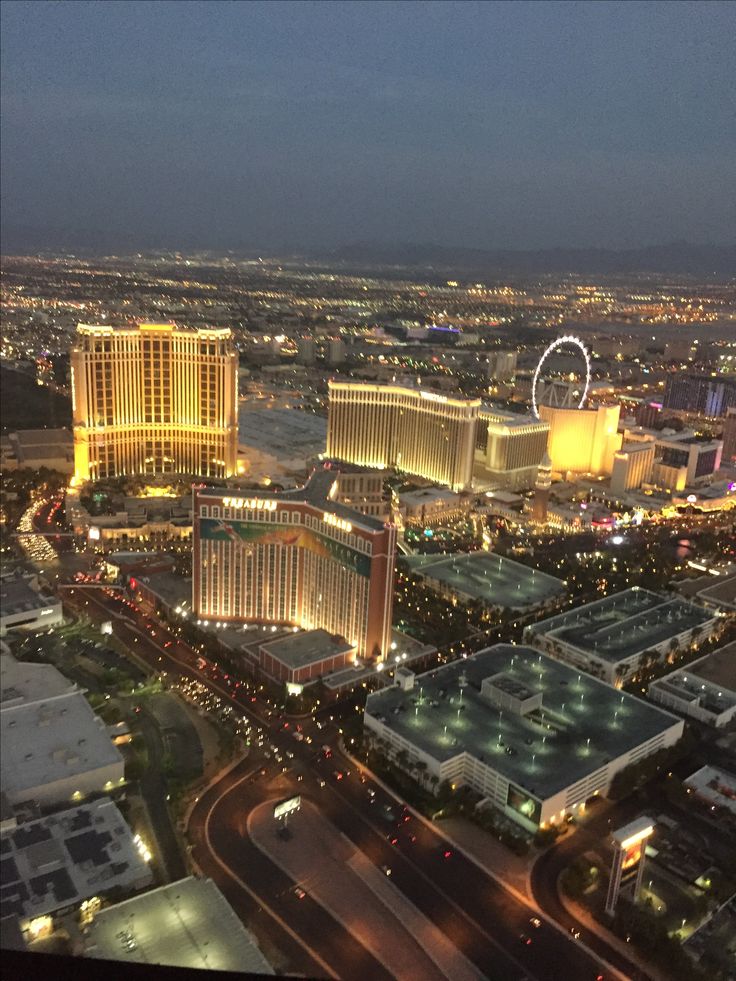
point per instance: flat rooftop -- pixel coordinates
(172, 589)
(59, 860)
(17, 596)
(722, 592)
(49, 731)
(183, 924)
(711, 681)
(494, 579)
(624, 624)
(591, 722)
(299, 650)
(716, 785)
(718, 667)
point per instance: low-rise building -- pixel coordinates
(485, 577)
(37, 448)
(186, 924)
(705, 690)
(165, 591)
(613, 638)
(24, 608)
(135, 521)
(54, 863)
(432, 505)
(714, 786)
(54, 748)
(535, 737)
(303, 657)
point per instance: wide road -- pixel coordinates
(548, 868)
(482, 917)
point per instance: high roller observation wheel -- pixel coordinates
(566, 339)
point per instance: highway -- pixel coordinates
(477, 912)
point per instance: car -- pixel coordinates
(535, 922)
(446, 853)
(392, 839)
(338, 775)
(322, 783)
(386, 869)
(575, 933)
(412, 839)
(525, 939)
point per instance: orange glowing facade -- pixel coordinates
(154, 399)
(392, 426)
(295, 558)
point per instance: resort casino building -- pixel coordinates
(295, 558)
(389, 426)
(154, 399)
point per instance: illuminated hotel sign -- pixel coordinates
(433, 397)
(340, 523)
(629, 856)
(252, 503)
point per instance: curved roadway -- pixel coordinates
(488, 922)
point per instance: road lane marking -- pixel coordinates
(282, 923)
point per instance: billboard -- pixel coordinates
(249, 534)
(287, 807)
(524, 803)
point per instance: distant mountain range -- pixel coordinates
(679, 258)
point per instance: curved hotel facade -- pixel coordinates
(154, 399)
(295, 558)
(418, 432)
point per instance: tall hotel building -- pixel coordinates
(154, 399)
(437, 437)
(509, 449)
(295, 557)
(418, 432)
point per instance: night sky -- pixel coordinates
(312, 125)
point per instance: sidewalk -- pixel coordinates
(581, 914)
(360, 896)
(489, 853)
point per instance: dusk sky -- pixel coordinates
(313, 125)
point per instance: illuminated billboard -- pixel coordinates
(524, 803)
(250, 534)
(287, 807)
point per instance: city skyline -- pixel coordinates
(368, 490)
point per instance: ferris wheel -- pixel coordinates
(560, 342)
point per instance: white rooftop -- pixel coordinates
(49, 731)
(184, 924)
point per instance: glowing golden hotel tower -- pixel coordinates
(422, 433)
(154, 399)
